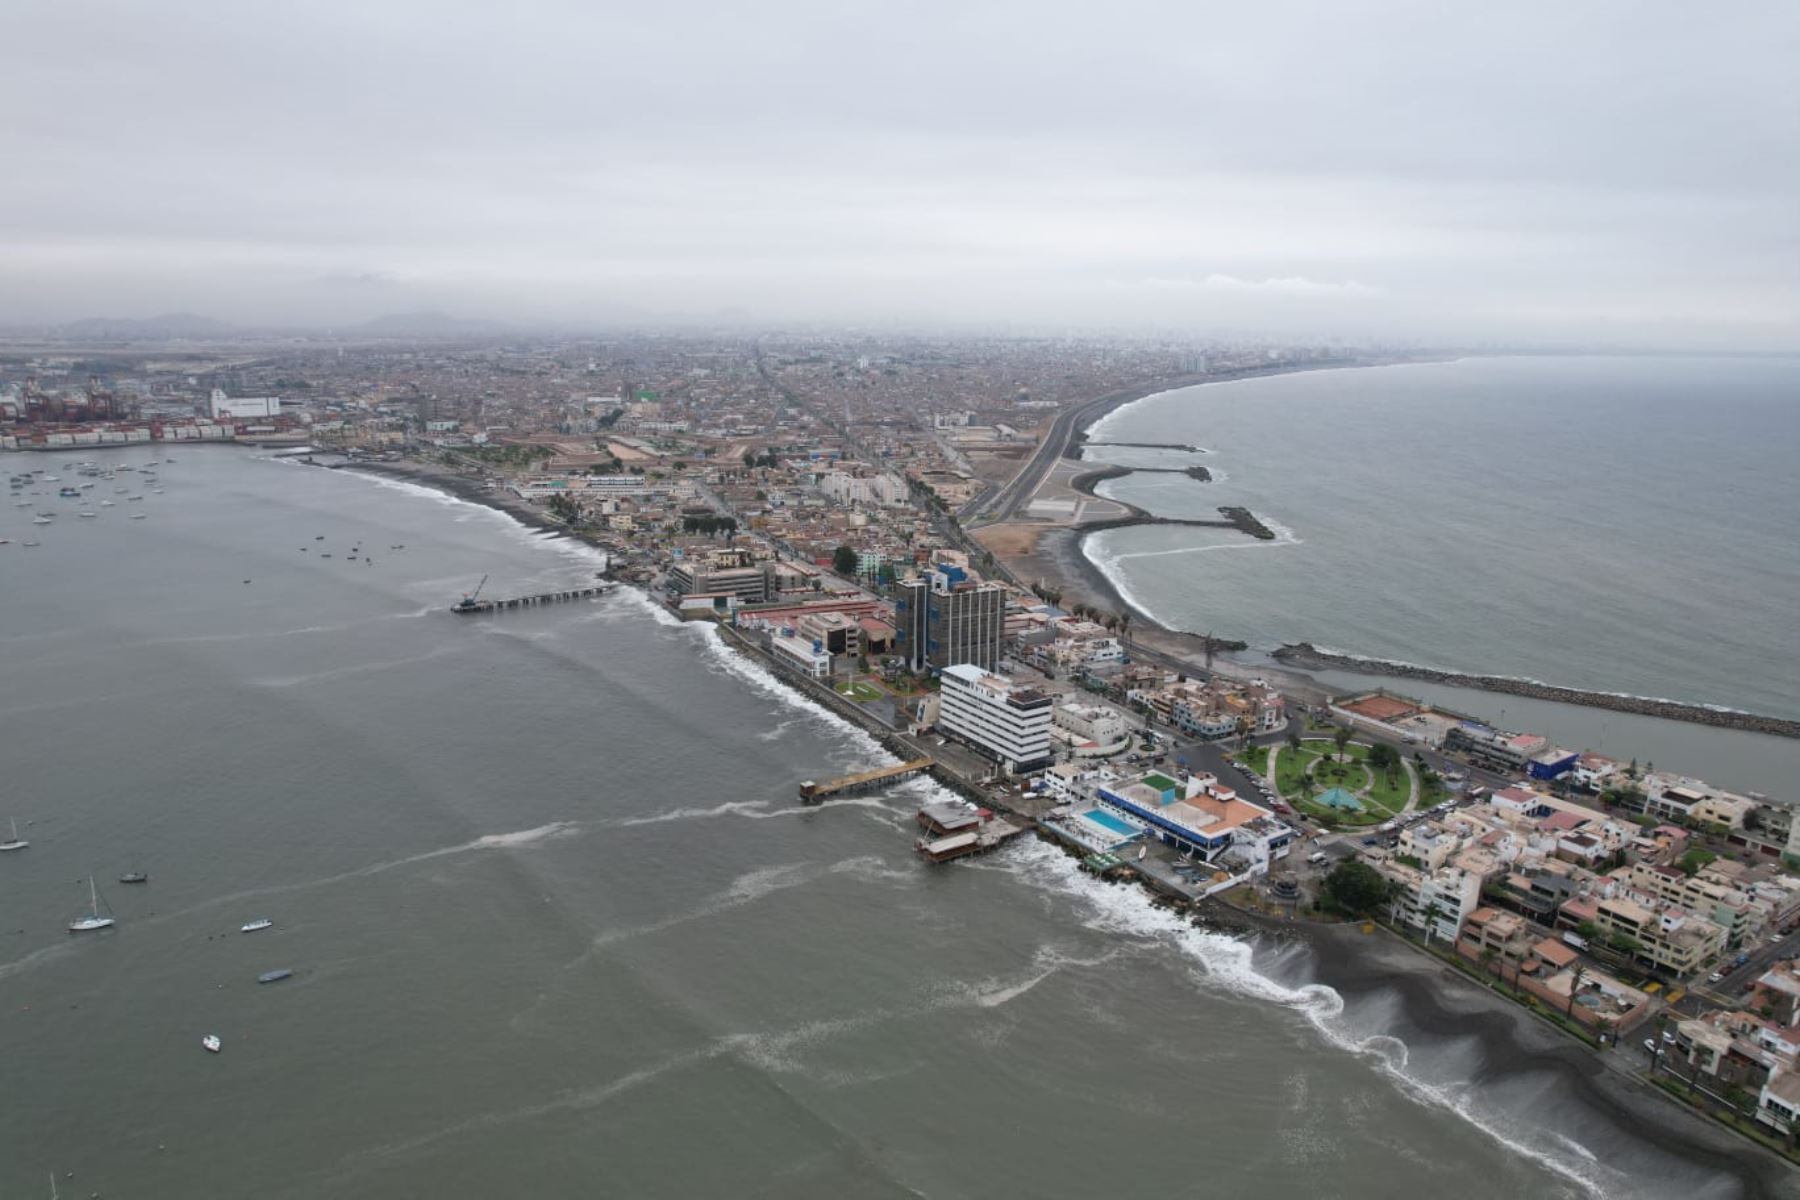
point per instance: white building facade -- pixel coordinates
(1007, 723)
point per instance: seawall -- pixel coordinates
(1307, 656)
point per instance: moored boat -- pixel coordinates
(253, 926)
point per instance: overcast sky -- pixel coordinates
(1619, 173)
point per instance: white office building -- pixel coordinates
(1008, 723)
(805, 655)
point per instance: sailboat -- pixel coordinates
(93, 920)
(15, 842)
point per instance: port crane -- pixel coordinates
(467, 603)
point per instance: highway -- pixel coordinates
(1010, 496)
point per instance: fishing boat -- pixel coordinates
(93, 920)
(15, 842)
(40, 520)
(134, 876)
(211, 1042)
(275, 976)
(253, 926)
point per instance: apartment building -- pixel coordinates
(1707, 896)
(1670, 937)
(1434, 902)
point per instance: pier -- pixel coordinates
(812, 792)
(469, 604)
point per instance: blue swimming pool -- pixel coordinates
(1101, 817)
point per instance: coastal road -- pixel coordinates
(1008, 499)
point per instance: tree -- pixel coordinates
(1293, 738)
(1694, 859)
(843, 561)
(1341, 736)
(1356, 887)
(1432, 913)
(1575, 977)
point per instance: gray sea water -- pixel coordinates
(559, 928)
(1615, 524)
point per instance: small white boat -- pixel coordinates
(15, 842)
(31, 543)
(85, 513)
(106, 504)
(211, 1042)
(93, 920)
(137, 516)
(253, 926)
(40, 520)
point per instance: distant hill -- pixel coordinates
(427, 324)
(168, 325)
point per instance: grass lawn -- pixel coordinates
(1327, 748)
(1290, 769)
(1333, 816)
(1255, 758)
(1391, 796)
(860, 691)
(1352, 777)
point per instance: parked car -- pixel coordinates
(1652, 1047)
(1715, 977)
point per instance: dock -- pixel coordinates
(954, 831)
(812, 792)
(469, 604)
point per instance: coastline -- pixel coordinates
(1442, 1002)
(1060, 559)
(1434, 998)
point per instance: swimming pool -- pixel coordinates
(1106, 820)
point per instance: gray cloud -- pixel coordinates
(1616, 171)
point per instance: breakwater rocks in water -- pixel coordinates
(1144, 445)
(1086, 481)
(1306, 655)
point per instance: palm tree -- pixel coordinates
(1575, 978)
(1341, 736)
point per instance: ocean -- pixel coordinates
(558, 926)
(1611, 524)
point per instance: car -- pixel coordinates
(1371, 840)
(1740, 960)
(1651, 1046)
(1715, 977)
(1669, 1036)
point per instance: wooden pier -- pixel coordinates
(812, 792)
(469, 604)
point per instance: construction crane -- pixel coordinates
(468, 602)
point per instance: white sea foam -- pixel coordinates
(1227, 963)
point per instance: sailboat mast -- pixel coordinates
(93, 897)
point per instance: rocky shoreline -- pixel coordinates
(1307, 656)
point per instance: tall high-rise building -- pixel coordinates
(943, 619)
(1007, 722)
